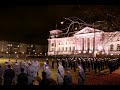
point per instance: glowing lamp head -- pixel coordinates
(90, 51)
(61, 22)
(84, 51)
(79, 51)
(111, 54)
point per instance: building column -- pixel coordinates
(85, 44)
(82, 44)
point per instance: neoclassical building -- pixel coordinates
(83, 42)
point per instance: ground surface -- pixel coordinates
(102, 78)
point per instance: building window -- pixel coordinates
(52, 49)
(73, 48)
(52, 44)
(63, 49)
(118, 47)
(70, 48)
(66, 48)
(82, 43)
(66, 43)
(88, 44)
(111, 47)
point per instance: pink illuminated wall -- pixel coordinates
(75, 44)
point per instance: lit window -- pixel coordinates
(118, 47)
(31, 45)
(111, 47)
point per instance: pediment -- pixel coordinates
(87, 30)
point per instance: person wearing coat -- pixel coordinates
(60, 74)
(52, 63)
(48, 72)
(44, 82)
(31, 72)
(16, 69)
(8, 76)
(67, 78)
(81, 75)
(44, 66)
(22, 78)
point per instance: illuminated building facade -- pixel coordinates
(82, 42)
(14, 49)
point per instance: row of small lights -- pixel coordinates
(24, 52)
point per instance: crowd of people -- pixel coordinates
(27, 72)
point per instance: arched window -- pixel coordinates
(66, 48)
(70, 48)
(111, 47)
(118, 47)
(63, 49)
(74, 48)
(52, 44)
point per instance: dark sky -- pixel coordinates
(31, 23)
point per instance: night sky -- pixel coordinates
(31, 23)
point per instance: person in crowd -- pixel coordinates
(1, 73)
(8, 76)
(16, 69)
(44, 66)
(9, 62)
(37, 80)
(67, 78)
(48, 72)
(74, 65)
(36, 67)
(81, 75)
(30, 72)
(52, 63)
(47, 61)
(44, 81)
(6, 66)
(22, 78)
(60, 74)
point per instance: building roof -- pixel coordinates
(87, 30)
(52, 32)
